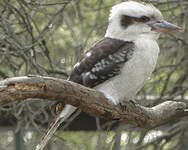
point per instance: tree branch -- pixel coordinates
(88, 100)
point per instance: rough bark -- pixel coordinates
(88, 100)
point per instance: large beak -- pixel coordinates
(164, 27)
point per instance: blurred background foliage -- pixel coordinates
(47, 37)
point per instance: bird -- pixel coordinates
(120, 63)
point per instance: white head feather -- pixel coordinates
(132, 9)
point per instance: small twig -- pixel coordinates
(48, 4)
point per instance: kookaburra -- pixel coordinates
(119, 64)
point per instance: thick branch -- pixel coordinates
(88, 100)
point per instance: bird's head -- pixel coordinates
(131, 20)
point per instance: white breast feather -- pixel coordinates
(133, 74)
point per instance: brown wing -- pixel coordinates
(102, 61)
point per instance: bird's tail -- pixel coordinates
(64, 115)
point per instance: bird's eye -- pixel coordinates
(144, 19)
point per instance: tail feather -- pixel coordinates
(64, 115)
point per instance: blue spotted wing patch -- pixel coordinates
(102, 62)
(106, 68)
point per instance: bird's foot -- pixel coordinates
(124, 104)
(133, 102)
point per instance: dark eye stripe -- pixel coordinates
(126, 21)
